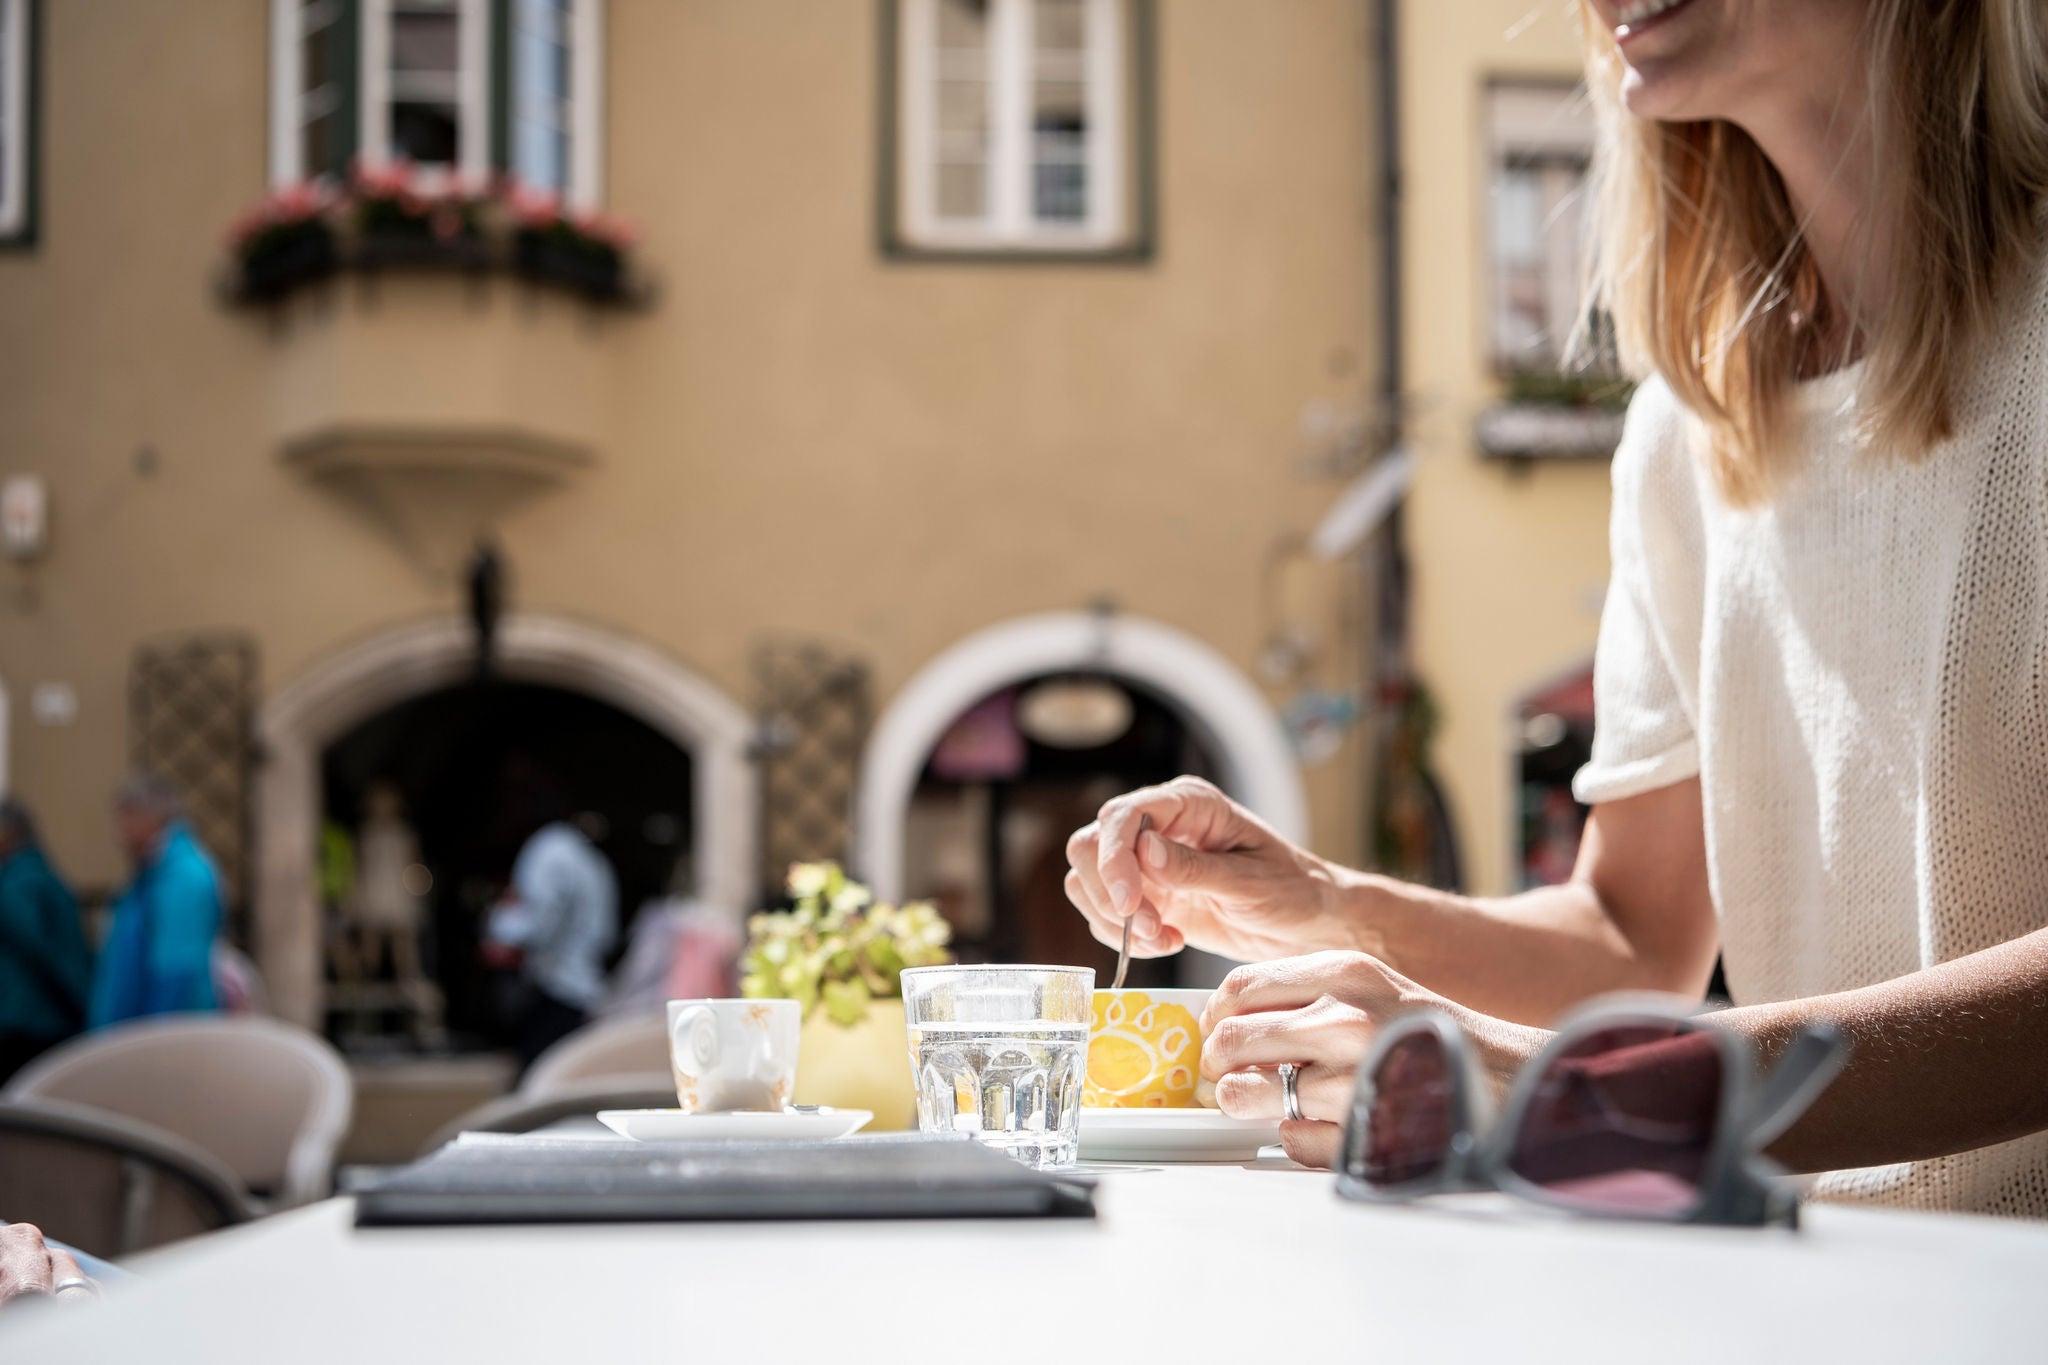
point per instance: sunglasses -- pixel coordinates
(1638, 1107)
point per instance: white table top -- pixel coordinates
(1184, 1264)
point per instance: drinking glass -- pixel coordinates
(1000, 1052)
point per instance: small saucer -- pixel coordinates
(1172, 1135)
(747, 1125)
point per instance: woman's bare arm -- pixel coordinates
(1636, 915)
(1942, 1060)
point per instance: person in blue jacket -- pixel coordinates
(45, 964)
(158, 957)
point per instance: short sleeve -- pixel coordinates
(1645, 667)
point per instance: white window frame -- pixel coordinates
(1009, 223)
(373, 92)
(287, 115)
(14, 119)
(473, 90)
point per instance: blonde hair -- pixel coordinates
(1699, 261)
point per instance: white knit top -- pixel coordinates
(1858, 673)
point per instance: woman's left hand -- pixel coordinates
(1321, 1013)
(31, 1266)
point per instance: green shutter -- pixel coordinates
(31, 150)
(348, 70)
(501, 84)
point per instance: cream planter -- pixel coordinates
(866, 1066)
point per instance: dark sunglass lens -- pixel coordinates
(1406, 1116)
(1624, 1120)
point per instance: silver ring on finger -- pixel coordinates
(1290, 1095)
(75, 1283)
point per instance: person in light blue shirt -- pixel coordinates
(158, 957)
(559, 919)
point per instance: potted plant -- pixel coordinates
(585, 252)
(403, 218)
(283, 241)
(840, 954)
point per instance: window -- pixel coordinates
(425, 97)
(17, 121)
(552, 106)
(1017, 125)
(1541, 138)
(462, 86)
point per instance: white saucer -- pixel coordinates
(1172, 1135)
(757, 1125)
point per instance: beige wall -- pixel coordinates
(1509, 567)
(799, 437)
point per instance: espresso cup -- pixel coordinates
(1145, 1049)
(731, 1055)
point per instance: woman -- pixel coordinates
(1822, 744)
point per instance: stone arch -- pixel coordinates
(338, 692)
(1221, 705)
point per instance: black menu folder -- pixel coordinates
(485, 1178)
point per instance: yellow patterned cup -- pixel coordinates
(1145, 1050)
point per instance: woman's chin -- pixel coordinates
(1663, 96)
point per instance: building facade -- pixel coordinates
(951, 322)
(1507, 515)
(963, 345)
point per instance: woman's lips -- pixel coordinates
(1636, 17)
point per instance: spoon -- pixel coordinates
(1123, 953)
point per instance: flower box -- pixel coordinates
(596, 271)
(388, 216)
(286, 264)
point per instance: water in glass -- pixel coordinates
(1000, 1052)
(1015, 1086)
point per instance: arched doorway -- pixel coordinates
(1020, 770)
(321, 707)
(462, 769)
(1213, 711)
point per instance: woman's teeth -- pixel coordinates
(1643, 11)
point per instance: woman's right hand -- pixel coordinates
(1189, 866)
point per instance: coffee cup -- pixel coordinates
(1145, 1049)
(730, 1055)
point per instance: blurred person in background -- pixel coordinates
(1821, 747)
(158, 957)
(681, 948)
(554, 927)
(45, 964)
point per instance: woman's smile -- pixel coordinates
(1639, 17)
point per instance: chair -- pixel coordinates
(107, 1184)
(523, 1113)
(630, 1052)
(270, 1102)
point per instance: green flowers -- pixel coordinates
(838, 945)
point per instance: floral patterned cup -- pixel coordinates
(733, 1054)
(1145, 1050)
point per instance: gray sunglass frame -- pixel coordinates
(1739, 1186)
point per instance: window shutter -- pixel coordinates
(349, 74)
(501, 85)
